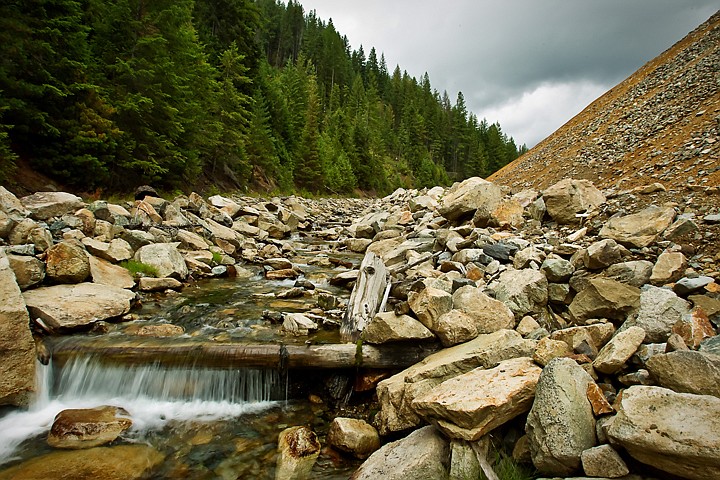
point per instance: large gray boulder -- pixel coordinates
(675, 432)
(17, 348)
(72, 306)
(560, 425)
(422, 455)
(114, 251)
(570, 197)
(524, 291)
(45, 205)
(466, 198)
(396, 393)
(471, 405)
(687, 371)
(636, 273)
(639, 229)
(106, 273)
(165, 258)
(10, 204)
(605, 298)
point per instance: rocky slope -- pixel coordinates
(662, 124)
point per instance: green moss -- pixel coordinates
(139, 269)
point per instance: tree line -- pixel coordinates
(115, 93)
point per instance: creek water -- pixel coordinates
(209, 422)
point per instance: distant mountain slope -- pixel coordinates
(661, 124)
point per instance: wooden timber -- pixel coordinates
(228, 355)
(366, 297)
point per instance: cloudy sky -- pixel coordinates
(529, 64)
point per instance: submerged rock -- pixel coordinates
(298, 449)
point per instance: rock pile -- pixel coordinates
(594, 332)
(68, 263)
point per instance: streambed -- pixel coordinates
(208, 421)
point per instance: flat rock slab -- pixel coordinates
(44, 205)
(72, 306)
(639, 229)
(675, 432)
(471, 405)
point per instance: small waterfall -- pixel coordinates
(154, 395)
(85, 377)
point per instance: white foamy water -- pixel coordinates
(152, 395)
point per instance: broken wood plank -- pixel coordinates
(366, 297)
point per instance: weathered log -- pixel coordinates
(228, 355)
(366, 297)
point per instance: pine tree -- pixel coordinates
(308, 173)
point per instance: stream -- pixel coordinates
(210, 422)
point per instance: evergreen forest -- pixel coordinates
(111, 94)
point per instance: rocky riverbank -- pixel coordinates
(579, 325)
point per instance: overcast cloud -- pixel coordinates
(529, 64)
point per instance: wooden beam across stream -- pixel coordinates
(235, 355)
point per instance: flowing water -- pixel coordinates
(209, 422)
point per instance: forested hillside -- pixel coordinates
(261, 94)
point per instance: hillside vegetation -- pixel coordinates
(239, 93)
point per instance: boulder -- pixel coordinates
(670, 266)
(29, 271)
(472, 196)
(105, 273)
(10, 205)
(489, 315)
(41, 238)
(687, 371)
(429, 304)
(20, 232)
(17, 348)
(596, 334)
(298, 324)
(636, 273)
(473, 404)
(524, 291)
(298, 449)
(603, 461)
(353, 436)
(165, 258)
(604, 298)
(389, 327)
(694, 328)
(45, 205)
(463, 461)
(561, 424)
(659, 310)
(396, 393)
(678, 433)
(88, 427)
(114, 251)
(122, 462)
(639, 229)
(568, 198)
(67, 262)
(71, 306)
(557, 269)
(150, 284)
(455, 327)
(547, 349)
(602, 254)
(422, 455)
(508, 213)
(618, 350)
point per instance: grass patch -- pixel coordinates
(139, 269)
(216, 258)
(507, 469)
